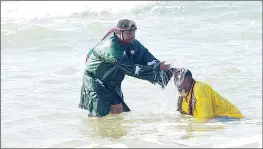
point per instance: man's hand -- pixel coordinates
(164, 66)
(176, 70)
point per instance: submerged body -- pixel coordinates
(209, 103)
(200, 100)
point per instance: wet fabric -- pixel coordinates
(107, 65)
(209, 103)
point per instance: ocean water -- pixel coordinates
(43, 49)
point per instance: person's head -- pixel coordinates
(183, 79)
(126, 32)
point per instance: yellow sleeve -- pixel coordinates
(204, 97)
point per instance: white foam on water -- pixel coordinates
(46, 9)
(93, 145)
(246, 142)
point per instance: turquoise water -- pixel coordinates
(43, 49)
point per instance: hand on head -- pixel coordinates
(164, 66)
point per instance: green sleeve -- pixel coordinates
(150, 73)
(110, 51)
(144, 56)
(150, 67)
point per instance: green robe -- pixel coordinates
(108, 63)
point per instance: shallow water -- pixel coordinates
(42, 61)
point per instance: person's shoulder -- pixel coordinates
(113, 38)
(136, 42)
(139, 46)
(109, 42)
(201, 85)
(202, 89)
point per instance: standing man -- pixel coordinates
(116, 55)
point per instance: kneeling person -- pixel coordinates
(201, 100)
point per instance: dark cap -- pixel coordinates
(126, 24)
(188, 73)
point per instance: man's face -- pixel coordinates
(129, 36)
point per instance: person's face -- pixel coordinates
(181, 83)
(129, 36)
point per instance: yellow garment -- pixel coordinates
(209, 103)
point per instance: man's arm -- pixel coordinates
(147, 67)
(144, 56)
(151, 73)
(111, 52)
